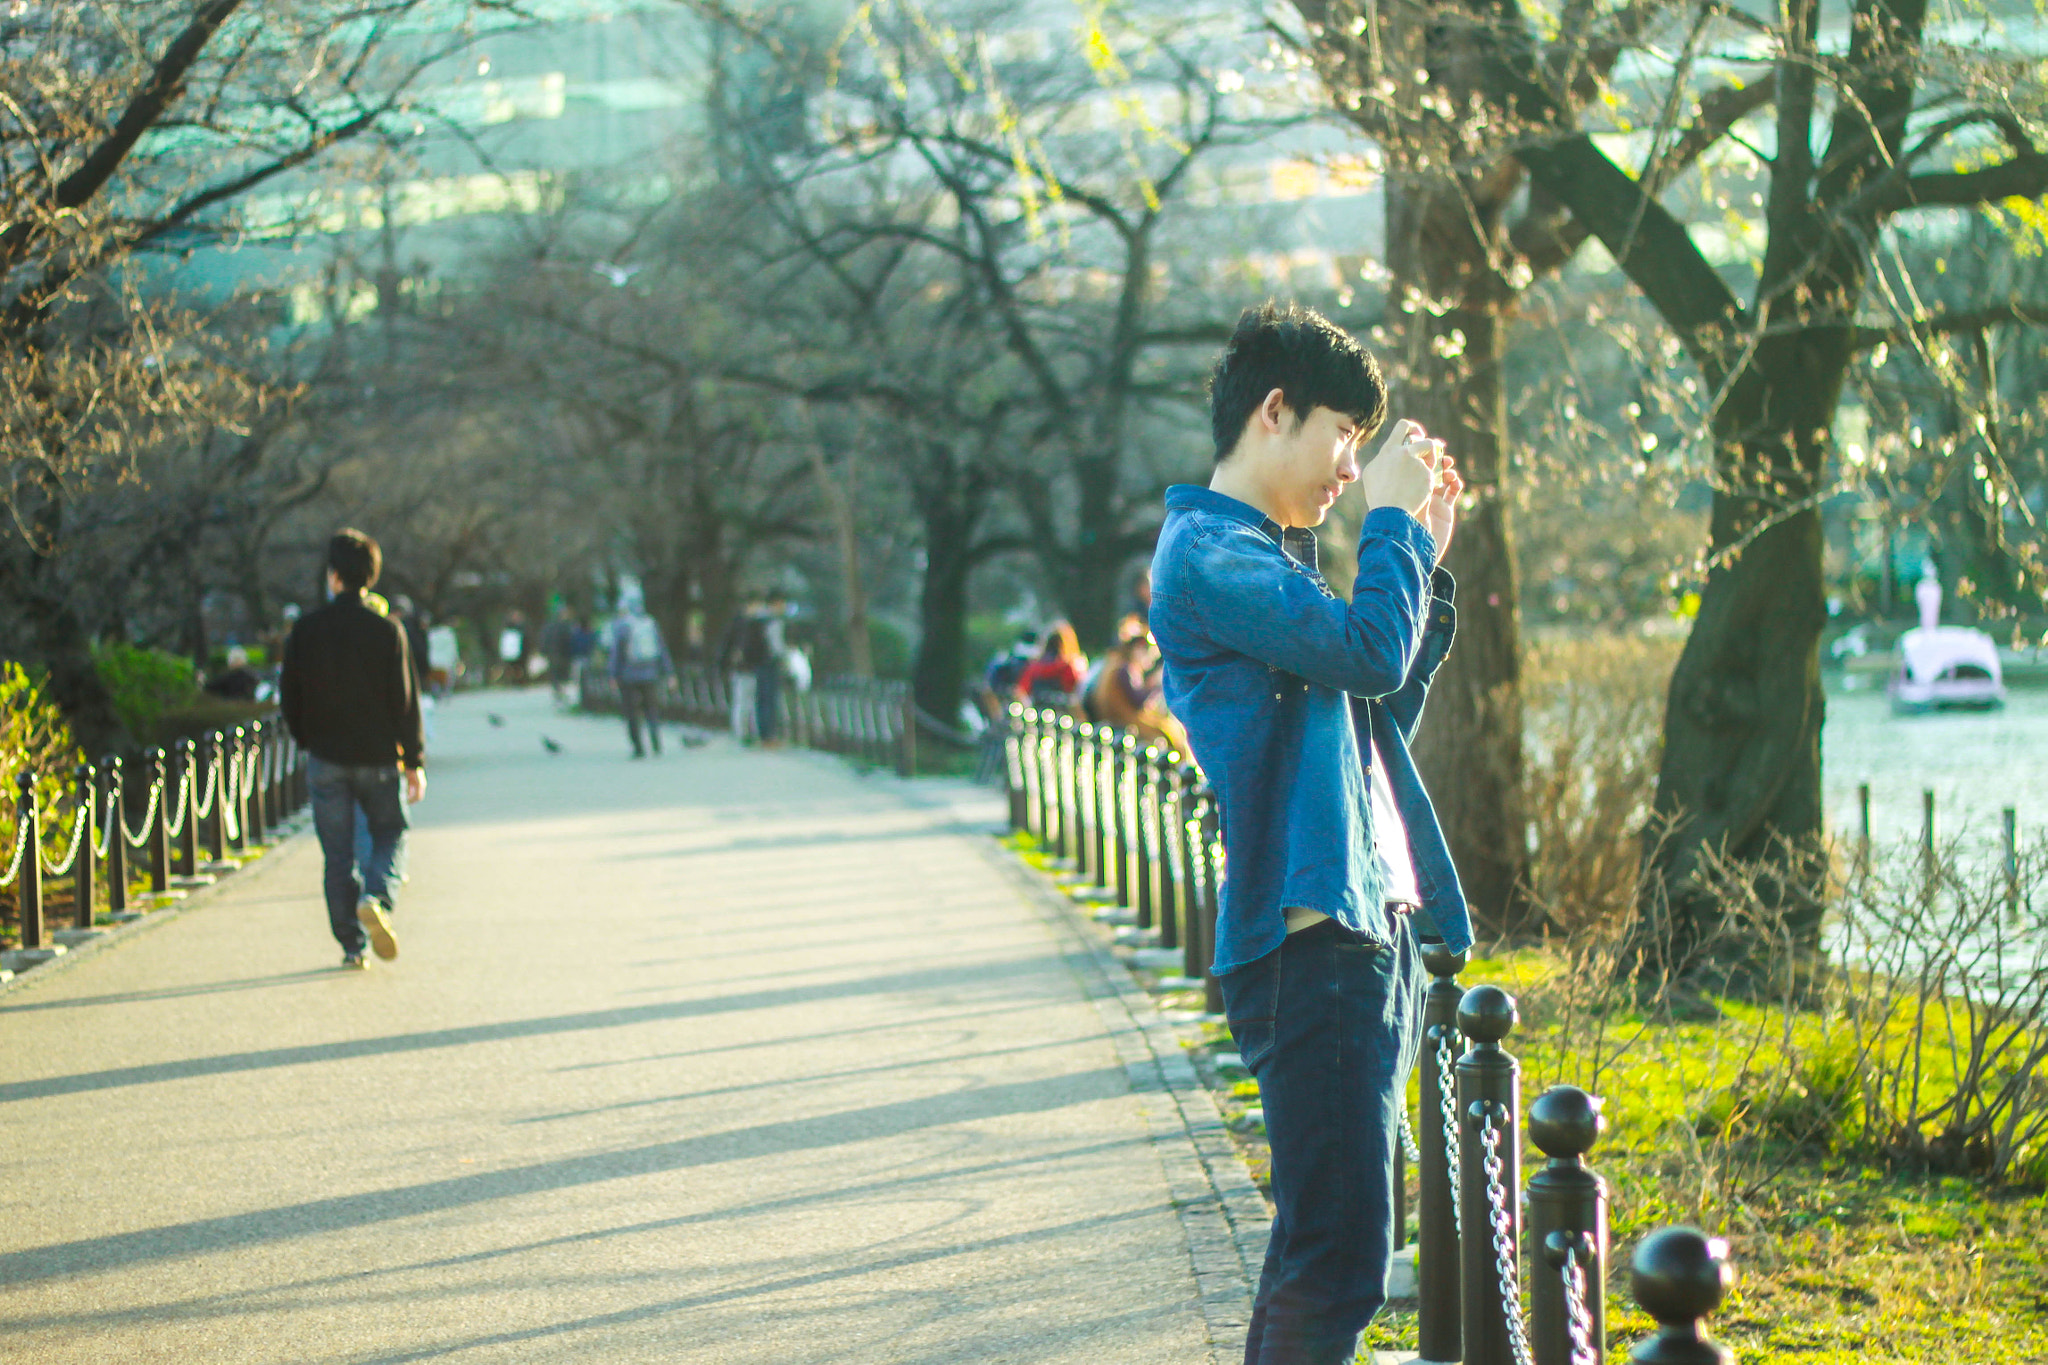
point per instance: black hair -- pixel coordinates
(1312, 361)
(355, 559)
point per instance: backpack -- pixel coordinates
(643, 640)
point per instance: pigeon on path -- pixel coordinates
(550, 745)
(494, 718)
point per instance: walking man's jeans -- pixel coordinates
(1328, 1022)
(768, 701)
(743, 705)
(339, 790)
(641, 701)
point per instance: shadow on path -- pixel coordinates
(245, 1230)
(987, 973)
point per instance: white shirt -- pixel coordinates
(1389, 845)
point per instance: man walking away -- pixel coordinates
(349, 697)
(1299, 706)
(767, 663)
(639, 661)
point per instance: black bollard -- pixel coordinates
(1172, 840)
(256, 810)
(157, 831)
(1439, 1328)
(115, 802)
(1567, 1232)
(1123, 770)
(188, 832)
(1679, 1275)
(1145, 836)
(1034, 774)
(1083, 765)
(1192, 949)
(1490, 1213)
(83, 892)
(216, 754)
(1212, 898)
(1102, 792)
(235, 783)
(1063, 789)
(1013, 766)
(906, 752)
(30, 878)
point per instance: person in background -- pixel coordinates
(512, 649)
(1127, 695)
(768, 672)
(639, 660)
(237, 682)
(348, 697)
(741, 651)
(402, 611)
(558, 647)
(1055, 675)
(444, 658)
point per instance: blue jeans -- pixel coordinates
(641, 701)
(339, 790)
(1329, 1024)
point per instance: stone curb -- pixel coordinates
(114, 935)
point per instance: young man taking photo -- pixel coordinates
(349, 697)
(1299, 707)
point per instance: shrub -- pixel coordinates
(33, 738)
(1594, 712)
(145, 684)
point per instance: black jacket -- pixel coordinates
(347, 687)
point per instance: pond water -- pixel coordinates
(1977, 762)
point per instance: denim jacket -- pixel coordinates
(1274, 677)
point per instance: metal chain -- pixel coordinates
(1408, 1144)
(14, 864)
(228, 804)
(172, 829)
(106, 844)
(156, 794)
(1503, 1241)
(203, 807)
(1578, 1319)
(77, 839)
(1447, 1101)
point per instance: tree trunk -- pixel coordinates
(1469, 748)
(939, 679)
(1741, 772)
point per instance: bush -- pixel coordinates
(1594, 709)
(33, 738)
(146, 684)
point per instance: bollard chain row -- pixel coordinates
(14, 863)
(105, 846)
(203, 806)
(77, 840)
(1503, 1239)
(156, 795)
(173, 828)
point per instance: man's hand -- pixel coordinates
(415, 786)
(1441, 515)
(1403, 474)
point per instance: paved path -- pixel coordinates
(724, 1057)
